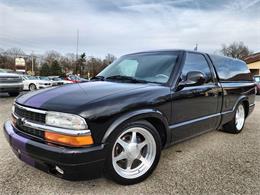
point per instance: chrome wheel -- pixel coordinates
(133, 153)
(240, 117)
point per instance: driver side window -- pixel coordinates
(196, 62)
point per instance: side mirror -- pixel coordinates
(193, 78)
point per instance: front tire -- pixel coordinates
(237, 124)
(134, 153)
(32, 87)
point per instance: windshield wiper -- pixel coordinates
(98, 78)
(126, 78)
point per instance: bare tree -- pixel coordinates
(94, 66)
(7, 58)
(51, 56)
(71, 57)
(87, 66)
(15, 52)
(2, 51)
(236, 50)
(109, 59)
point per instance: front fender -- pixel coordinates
(138, 115)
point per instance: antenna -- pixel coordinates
(77, 51)
(196, 47)
(32, 64)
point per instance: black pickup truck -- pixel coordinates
(118, 123)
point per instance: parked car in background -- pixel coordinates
(32, 83)
(53, 83)
(7, 71)
(60, 80)
(257, 80)
(74, 79)
(118, 123)
(10, 83)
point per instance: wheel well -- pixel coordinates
(246, 106)
(159, 126)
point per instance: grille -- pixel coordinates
(32, 116)
(31, 131)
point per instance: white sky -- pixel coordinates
(120, 27)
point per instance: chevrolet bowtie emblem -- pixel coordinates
(20, 121)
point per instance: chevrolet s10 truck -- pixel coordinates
(117, 124)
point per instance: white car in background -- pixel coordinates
(53, 83)
(60, 80)
(31, 83)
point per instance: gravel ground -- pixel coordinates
(213, 163)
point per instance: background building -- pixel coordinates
(253, 62)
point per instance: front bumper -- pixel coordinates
(43, 86)
(76, 163)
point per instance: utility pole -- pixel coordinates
(77, 50)
(32, 64)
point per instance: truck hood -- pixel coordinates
(70, 98)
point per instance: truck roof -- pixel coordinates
(184, 50)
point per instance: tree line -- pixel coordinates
(54, 63)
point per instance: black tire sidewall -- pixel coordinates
(231, 126)
(109, 169)
(32, 85)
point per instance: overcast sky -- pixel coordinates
(123, 26)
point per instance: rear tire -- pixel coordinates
(134, 153)
(237, 124)
(13, 94)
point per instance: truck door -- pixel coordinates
(195, 109)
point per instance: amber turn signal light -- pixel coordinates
(13, 119)
(75, 141)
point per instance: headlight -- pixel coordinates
(41, 83)
(68, 121)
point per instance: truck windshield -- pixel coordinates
(146, 67)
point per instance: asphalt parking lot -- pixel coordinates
(213, 163)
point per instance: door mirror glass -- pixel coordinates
(193, 78)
